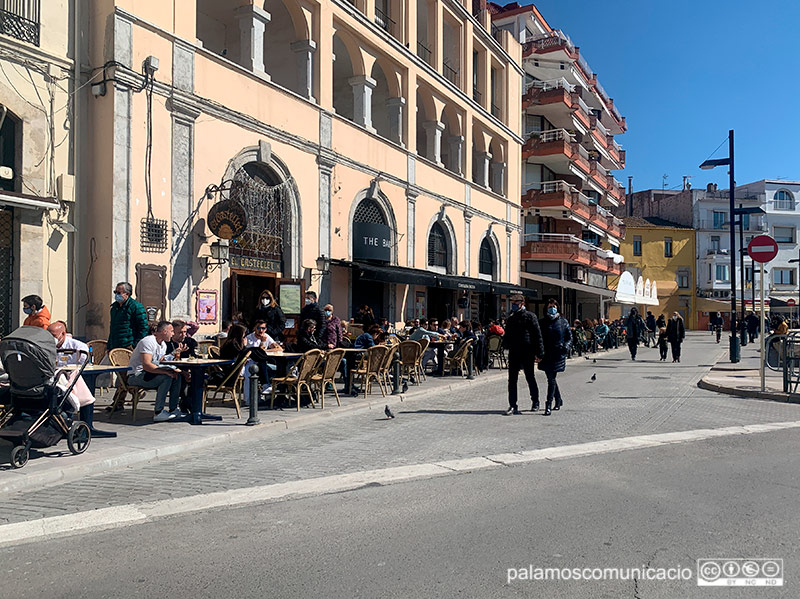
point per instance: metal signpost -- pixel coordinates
(762, 249)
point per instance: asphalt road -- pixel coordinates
(457, 536)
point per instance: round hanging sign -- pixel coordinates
(227, 219)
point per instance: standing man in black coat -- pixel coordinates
(523, 341)
(633, 331)
(676, 332)
(557, 339)
(312, 311)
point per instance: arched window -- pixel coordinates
(372, 237)
(437, 247)
(486, 258)
(784, 200)
(368, 211)
(264, 197)
(8, 151)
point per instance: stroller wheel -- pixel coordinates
(19, 456)
(79, 437)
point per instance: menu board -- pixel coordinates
(291, 300)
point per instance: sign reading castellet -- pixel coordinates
(372, 242)
(227, 219)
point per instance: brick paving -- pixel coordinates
(628, 398)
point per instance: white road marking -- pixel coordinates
(128, 515)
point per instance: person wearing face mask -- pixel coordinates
(633, 331)
(312, 311)
(676, 333)
(270, 312)
(128, 327)
(523, 342)
(557, 340)
(37, 313)
(331, 336)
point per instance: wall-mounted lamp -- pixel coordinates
(323, 266)
(219, 254)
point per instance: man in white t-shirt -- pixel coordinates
(146, 370)
(69, 348)
(259, 338)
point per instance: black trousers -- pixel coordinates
(633, 346)
(552, 388)
(528, 365)
(662, 350)
(676, 349)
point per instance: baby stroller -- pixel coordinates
(41, 416)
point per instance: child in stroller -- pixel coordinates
(40, 411)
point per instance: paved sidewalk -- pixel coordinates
(143, 441)
(744, 379)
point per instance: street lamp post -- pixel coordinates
(709, 164)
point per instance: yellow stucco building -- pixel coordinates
(663, 252)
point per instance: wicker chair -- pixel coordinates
(231, 384)
(424, 343)
(204, 346)
(213, 352)
(496, 352)
(410, 352)
(98, 350)
(370, 368)
(386, 367)
(122, 357)
(458, 360)
(306, 367)
(326, 375)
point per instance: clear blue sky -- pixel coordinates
(685, 72)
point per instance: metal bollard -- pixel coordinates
(396, 385)
(470, 364)
(255, 395)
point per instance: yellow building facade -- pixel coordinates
(666, 253)
(374, 148)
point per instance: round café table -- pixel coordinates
(197, 368)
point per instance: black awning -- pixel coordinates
(394, 274)
(464, 284)
(509, 289)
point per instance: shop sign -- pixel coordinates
(227, 219)
(252, 263)
(372, 242)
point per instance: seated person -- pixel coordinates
(259, 340)
(496, 329)
(372, 337)
(69, 352)
(465, 333)
(188, 349)
(424, 332)
(148, 369)
(224, 329)
(307, 337)
(601, 332)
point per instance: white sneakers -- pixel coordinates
(164, 415)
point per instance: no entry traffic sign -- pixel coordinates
(762, 248)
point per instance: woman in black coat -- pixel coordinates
(270, 312)
(676, 333)
(557, 339)
(634, 328)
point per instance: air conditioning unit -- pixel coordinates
(580, 275)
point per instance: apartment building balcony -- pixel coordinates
(555, 99)
(598, 173)
(21, 20)
(615, 151)
(599, 132)
(551, 42)
(603, 219)
(568, 249)
(754, 224)
(557, 196)
(556, 149)
(616, 191)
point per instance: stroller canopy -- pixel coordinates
(29, 357)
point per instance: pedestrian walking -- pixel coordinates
(37, 313)
(270, 312)
(650, 321)
(557, 339)
(523, 342)
(752, 326)
(633, 331)
(676, 333)
(662, 343)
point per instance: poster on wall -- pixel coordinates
(419, 305)
(206, 306)
(290, 300)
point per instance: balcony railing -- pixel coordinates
(596, 124)
(602, 93)
(754, 225)
(583, 106)
(568, 248)
(560, 83)
(20, 19)
(554, 135)
(584, 66)
(451, 74)
(552, 39)
(424, 52)
(384, 21)
(598, 168)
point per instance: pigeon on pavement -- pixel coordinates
(594, 377)
(594, 361)
(388, 412)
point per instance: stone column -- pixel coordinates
(252, 23)
(467, 244)
(456, 153)
(482, 160)
(434, 129)
(304, 50)
(362, 100)
(498, 177)
(395, 107)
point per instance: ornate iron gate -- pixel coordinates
(6, 269)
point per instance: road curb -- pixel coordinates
(27, 482)
(747, 393)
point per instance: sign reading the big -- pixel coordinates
(372, 242)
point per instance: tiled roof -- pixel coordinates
(651, 222)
